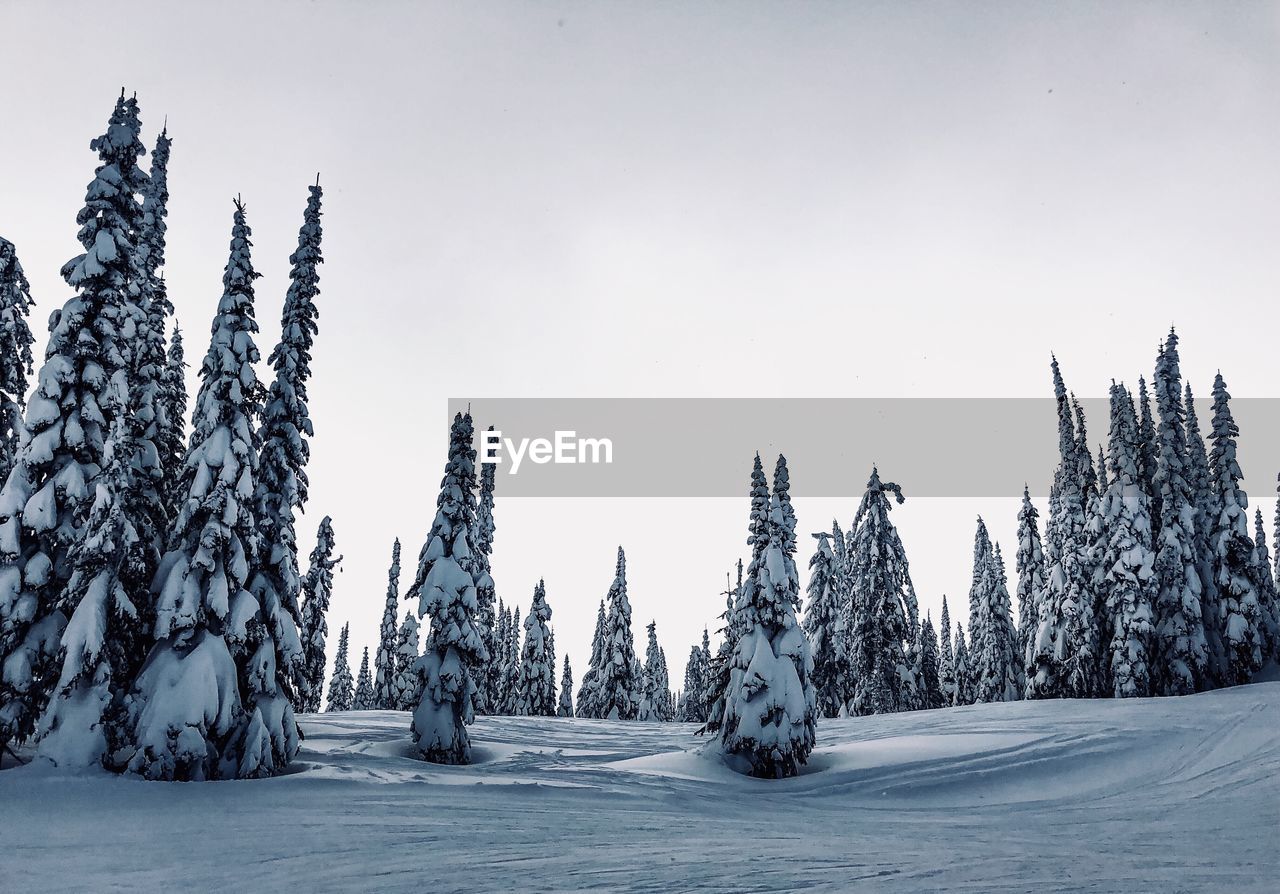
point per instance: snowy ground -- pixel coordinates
(1164, 795)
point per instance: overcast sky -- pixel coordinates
(612, 200)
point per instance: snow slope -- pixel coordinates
(1165, 795)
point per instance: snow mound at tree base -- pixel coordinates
(1174, 794)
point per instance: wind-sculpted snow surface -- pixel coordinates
(1176, 795)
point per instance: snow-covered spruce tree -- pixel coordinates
(364, 698)
(50, 487)
(770, 708)
(511, 665)
(930, 680)
(496, 672)
(946, 659)
(384, 662)
(317, 587)
(964, 694)
(587, 688)
(654, 700)
(341, 688)
(15, 353)
(105, 638)
(446, 591)
(1180, 657)
(691, 707)
(172, 441)
(536, 690)
(1064, 663)
(282, 478)
(823, 625)
(1125, 577)
(980, 578)
(1207, 673)
(1269, 604)
(1148, 444)
(1031, 577)
(1239, 605)
(405, 682)
(993, 650)
(186, 714)
(565, 706)
(618, 686)
(879, 580)
(487, 695)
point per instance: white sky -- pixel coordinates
(865, 199)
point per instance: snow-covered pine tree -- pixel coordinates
(587, 687)
(946, 659)
(1063, 661)
(980, 578)
(1125, 578)
(50, 487)
(993, 651)
(511, 665)
(1269, 605)
(186, 714)
(964, 694)
(691, 707)
(536, 689)
(446, 591)
(15, 353)
(822, 625)
(105, 638)
(172, 441)
(930, 680)
(1031, 578)
(770, 710)
(487, 696)
(405, 683)
(565, 706)
(317, 587)
(1148, 446)
(653, 705)
(879, 580)
(384, 678)
(665, 685)
(341, 688)
(618, 685)
(364, 699)
(1204, 637)
(282, 477)
(1239, 605)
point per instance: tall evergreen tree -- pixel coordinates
(1126, 576)
(1269, 614)
(385, 660)
(405, 683)
(172, 441)
(364, 700)
(586, 706)
(1148, 442)
(317, 587)
(1239, 605)
(446, 591)
(1063, 662)
(879, 580)
(1203, 643)
(691, 709)
(964, 694)
(1029, 563)
(50, 488)
(341, 689)
(536, 691)
(930, 680)
(946, 659)
(282, 480)
(565, 706)
(823, 625)
(487, 686)
(511, 665)
(187, 715)
(769, 708)
(619, 688)
(994, 649)
(655, 704)
(15, 353)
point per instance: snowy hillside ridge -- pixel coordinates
(1169, 794)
